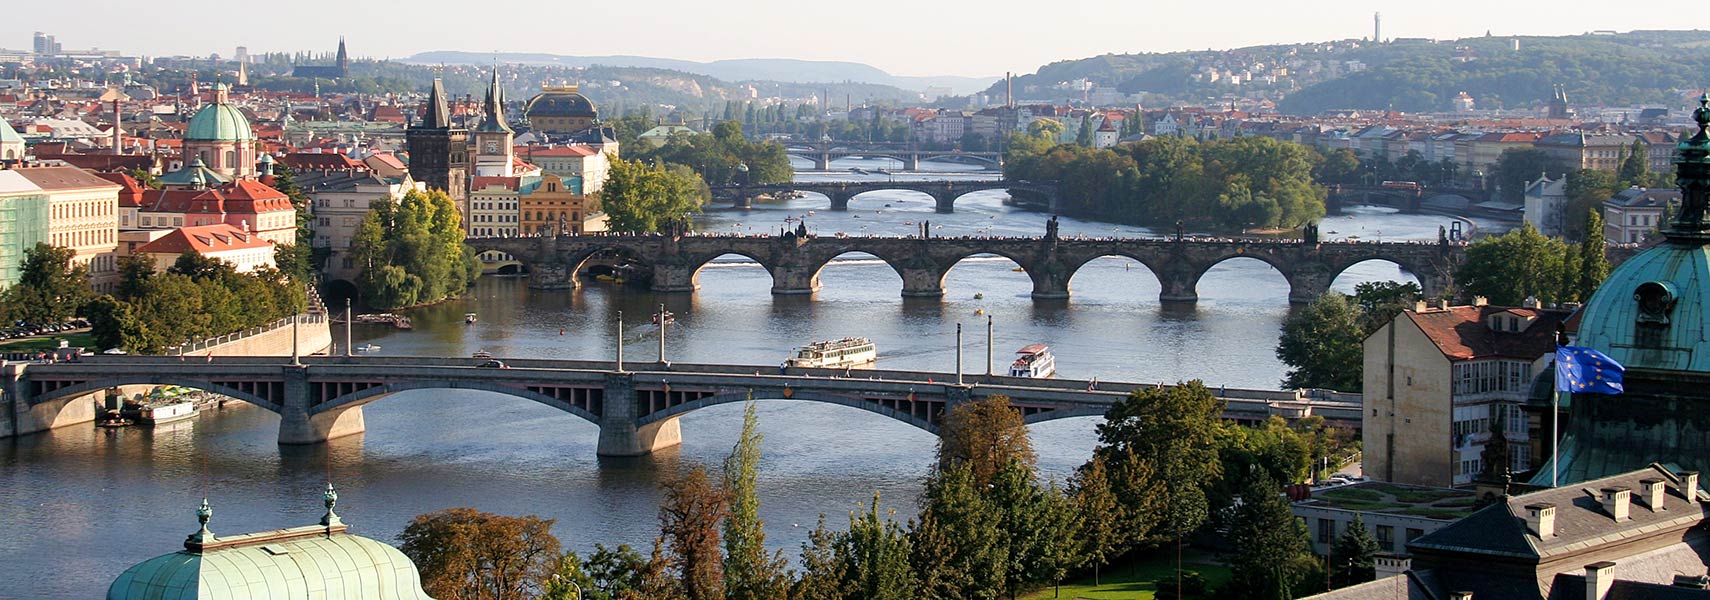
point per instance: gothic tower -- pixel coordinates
(493, 138)
(343, 59)
(439, 153)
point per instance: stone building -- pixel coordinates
(558, 206)
(219, 135)
(560, 109)
(79, 211)
(439, 153)
(494, 156)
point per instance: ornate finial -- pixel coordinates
(1692, 175)
(202, 535)
(330, 498)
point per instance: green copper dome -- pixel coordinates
(219, 122)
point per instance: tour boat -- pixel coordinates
(156, 414)
(482, 354)
(469, 318)
(1035, 361)
(847, 353)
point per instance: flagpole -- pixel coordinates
(1556, 410)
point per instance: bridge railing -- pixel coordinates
(312, 316)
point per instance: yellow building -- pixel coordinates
(82, 215)
(1439, 382)
(558, 206)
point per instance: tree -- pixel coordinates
(1047, 129)
(1509, 268)
(613, 573)
(50, 288)
(822, 572)
(412, 252)
(689, 519)
(958, 548)
(1593, 262)
(1353, 555)
(1515, 167)
(642, 198)
(463, 553)
(1380, 301)
(750, 573)
(1636, 166)
(1272, 450)
(1322, 345)
(987, 435)
(568, 580)
(1170, 433)
(1340, 165)
(1099, 513)
(112, 323)
(656, 580)
(1273, 558)
(873, 558)
(1586, 189)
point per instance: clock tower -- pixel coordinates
(493, 153)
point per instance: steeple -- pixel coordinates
(343, 59)
(1692, 165)
(438, 114)
(494, 108)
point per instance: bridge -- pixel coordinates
(636, 411)
(943, 193)
(822, 154)
(673, 263)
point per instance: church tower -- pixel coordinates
(343, 59)
(493, 152)
(439, 153)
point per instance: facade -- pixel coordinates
(322, 561)
(1443, 383)
(558, 206)
(82, 215)
(244, 251)
(1635, 214)
(576, 161)
(560, 109)
(246, 204)
(23, 222)
(494, 209)
(494, 156)
(439, 153)
(1394, 514)
(339, 201)
(1587, 151)
(11, 144)
(1546, 205)
(219, 135)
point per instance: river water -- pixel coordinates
(82, 504)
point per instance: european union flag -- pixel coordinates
(1586, 371)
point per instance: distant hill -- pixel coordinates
(739, 70)
(1639, 67)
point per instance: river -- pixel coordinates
(82, 504)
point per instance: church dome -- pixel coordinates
(219, 122)
(565, 101)
(1650, 312)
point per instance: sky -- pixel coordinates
(933, 37)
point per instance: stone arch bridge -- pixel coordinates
(821, 155)
(795, 261)
(944, 193)
(636, 411)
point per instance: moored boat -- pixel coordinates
(469, 318)
(156, 414)
(1034, 361)
(847, 353)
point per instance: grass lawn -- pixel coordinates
(1133, 581)
(49, 342)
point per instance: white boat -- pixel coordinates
(368, 348)
(167, 413)
(847, 353)
(469, 318)
(1034, 361)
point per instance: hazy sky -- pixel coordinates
(930, 37)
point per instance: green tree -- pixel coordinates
(1173, 432)
(822, 572)
(1636, 166)
(1593, 262)
(1099, 514)
(465, 553)
(750, 573)
(1515, 167)
(1381, 301)
(1586, 189)
(1354, 555)
(50, 288)
(1340, 165)
(1511, 267)
(958, 547)
(689, 518)
(1273, 559)
(873, 558)
(987, 435)
(112, 323)
(568, 581)
(1321, 344)
(1046, 129)
(613, 572)
(642, 198)
(1272, 450)
(412, 252)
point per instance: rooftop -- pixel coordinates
(1397, 499)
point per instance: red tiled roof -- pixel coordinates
(204, 239)
(1462, 333)
(320, 161)
(130, 192)
(239, 199)
(481, 183)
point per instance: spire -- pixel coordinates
(343, 59)
(438, 114)
(494, 108)
(1692, 173)
(330, 498)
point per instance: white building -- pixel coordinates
(243, 250)
(1546, 205)
(1635, 213)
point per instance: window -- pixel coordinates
(1414, 534)
(1386, 538)
(1326, 531)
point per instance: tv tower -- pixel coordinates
(1377, 28)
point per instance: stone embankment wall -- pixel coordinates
(314, 336)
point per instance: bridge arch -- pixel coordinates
(90, 387)
(1336, 271)
(1034, 272)
(1277, 265)
(1074, 269)
(700, 263)
(856, 402)
(363, 397)
(578, 259)
(819, 266)
(866, 191)
(1063, 413)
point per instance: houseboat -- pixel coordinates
(847, 353)
(1035, 362)
(155, 414)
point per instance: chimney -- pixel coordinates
(1420, 306)
(1443, 304)
(1389, 565)
(1460, 595)
(1531, 302)
(1617, 501)
(1689, 485)
(1599, 576)
(1654, 493)
(1480, 301)
(1541, 518)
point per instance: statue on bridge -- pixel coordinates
(1309, 234)
(1051, 230)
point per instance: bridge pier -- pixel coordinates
(822, 161)
(299, 425)
(1049, 286)
(552, 276)
(794, 281)
(840, 200)
(619, 435)
(911, 161)
(922, 283)
(744, 200)
(1177, 287)
(1307, 284)
(674, 279)
(946, 202)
